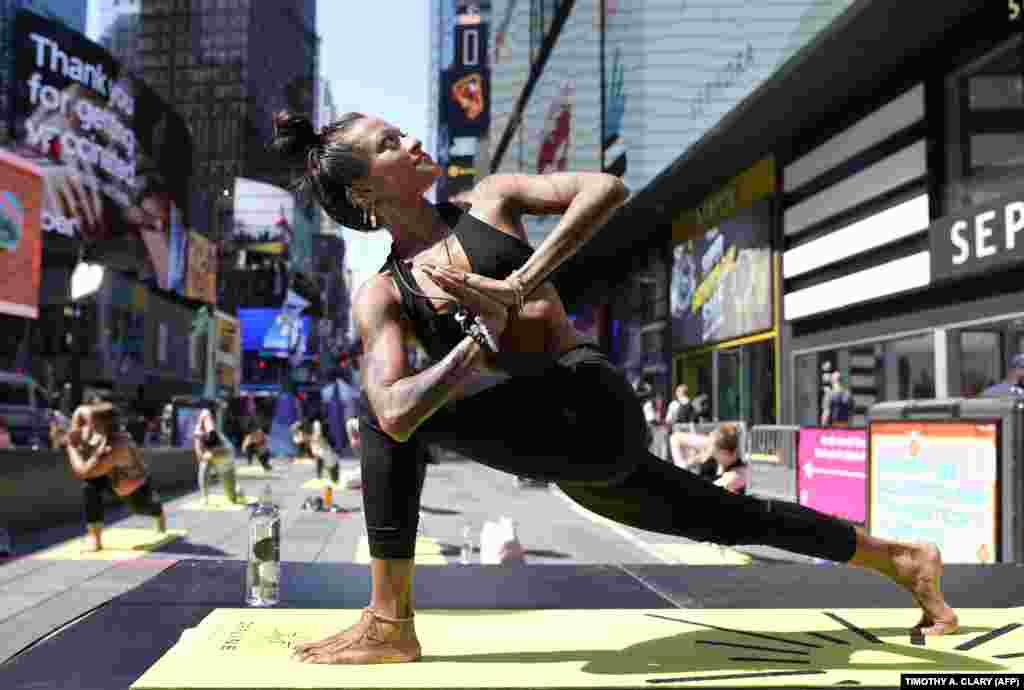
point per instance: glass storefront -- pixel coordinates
(745, 387)
(897, 369)
(905, 369)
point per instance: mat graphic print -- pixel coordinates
(240, 649)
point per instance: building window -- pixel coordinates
(902, 369)
(985, 131)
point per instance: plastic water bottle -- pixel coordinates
(466, 554)
(263, 574)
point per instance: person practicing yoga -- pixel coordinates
(467, 288)
(106, 459)
(255, 445)
(215, 456)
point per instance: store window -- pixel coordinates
(985, 130)
(980, 361)
(901, 369)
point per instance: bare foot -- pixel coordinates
(373, 640)
(919, 570)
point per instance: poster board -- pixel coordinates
(945, 471)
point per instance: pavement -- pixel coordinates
(47, 586)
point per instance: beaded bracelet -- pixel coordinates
(473, 326)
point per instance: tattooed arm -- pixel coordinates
(401, 399)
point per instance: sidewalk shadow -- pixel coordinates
(186, 549)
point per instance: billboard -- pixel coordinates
(226, 351)
(202, 269)
(560, 128)
(832, 472)
(116, 159)
(275, 332)
(721, 285)
(21, 195)
(937, 481)
(465, 101)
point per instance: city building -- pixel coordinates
(821, 191)
(227, 67)
(115, 25)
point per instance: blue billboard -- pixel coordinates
(275, 332)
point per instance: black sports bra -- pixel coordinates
(491, 253)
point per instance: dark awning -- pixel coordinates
(860, 50)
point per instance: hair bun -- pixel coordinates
(294, 135)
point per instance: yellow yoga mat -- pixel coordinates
(239, 649)
(219, 502)
(701, 554)
(303, 461)
(254, 472)
(119, 544)
(428, 552)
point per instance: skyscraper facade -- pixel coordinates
(227, 66)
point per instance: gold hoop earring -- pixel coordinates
(373, 214)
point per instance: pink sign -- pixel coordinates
(832, 472)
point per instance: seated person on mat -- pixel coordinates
(254, 445)
(214, 456)
(106, 459)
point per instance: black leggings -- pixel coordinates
(143, 501)
(262, 454)
(578, 423)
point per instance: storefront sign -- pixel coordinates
(936, 481)
(738, 194)
(979, 239)
(832, 467)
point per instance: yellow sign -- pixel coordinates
(740, 193)
(227, 336)
(202, 269)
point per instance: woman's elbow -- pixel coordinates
(396, 427)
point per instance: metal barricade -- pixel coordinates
(771, 452)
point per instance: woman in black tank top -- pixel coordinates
(586, 428)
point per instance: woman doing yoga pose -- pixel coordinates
(469, 289)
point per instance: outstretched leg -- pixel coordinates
(663, 498)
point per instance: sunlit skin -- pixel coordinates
(399, 175)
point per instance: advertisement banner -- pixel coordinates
(465, 102)
(202, 269)
(832, 472)
(721, 286)
(21, 195)
(937, 481)
(114, 156)
(275, 332)
(227, 351)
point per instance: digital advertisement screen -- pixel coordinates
(115, 158)
(937, 482)
(275, 332)
(721, 284)
(832, 472)
(21, 244)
